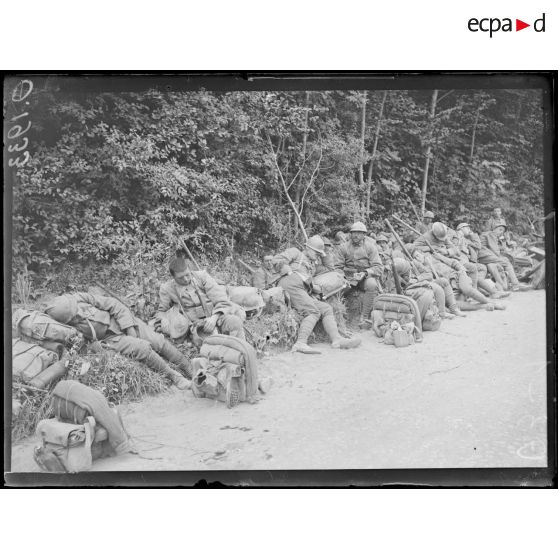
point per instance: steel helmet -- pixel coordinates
(401, 266)
(316, 243)
(62, 308)
(500, 223)
(382, 238)
(358, 227)
(439, 230)
(429, 214)
(462, 226)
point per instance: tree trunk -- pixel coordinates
(428, 153)
(471, 154)
(362, 131)
(373, 155)
(298, 187)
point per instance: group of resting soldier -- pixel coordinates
(441, 265)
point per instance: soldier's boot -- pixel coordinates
(338, 342)
(306, 327)
(157, 363)
(173, 355)
(454, 310)
(367, 305)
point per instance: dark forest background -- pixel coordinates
(115, 177)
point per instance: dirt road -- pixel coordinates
(471, 395)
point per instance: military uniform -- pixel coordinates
(214, 301)
(296, 271)
(106, 319)
(448, 255)
(351, 259)
(441, 288)
(262, 278)
(490, 255)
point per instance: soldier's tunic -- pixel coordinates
(296, 272)
(448, 254)
(470, 247)
(262, 278)
(424, 228)
(326, 264)
(441, 287)
(213, 297)
(351, 259)
(106, 319)
(420, 290)
(491, 256)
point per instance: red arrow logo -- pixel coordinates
(519, 25)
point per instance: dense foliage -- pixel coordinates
(124, 175)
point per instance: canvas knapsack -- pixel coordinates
(30, 359)
(395, 307)
(65, 447)
(226, 370)
(32, 324)
(330, 282)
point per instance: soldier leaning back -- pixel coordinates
(202, 299)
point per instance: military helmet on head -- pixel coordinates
(429, 214)
(382, 238)
(401, 266)
(316, 243)
(358, 226)
(462, 226)
(62, 308)
(439, 230)
(499, 223)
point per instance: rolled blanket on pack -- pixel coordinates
(68, 396)
(247, 358)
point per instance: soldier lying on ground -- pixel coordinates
(105, 319)
(490, 255)
(360, 262)
(297, 269)
(204, 302)
(448, 265)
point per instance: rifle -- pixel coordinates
(196, 288)
(194, 282)
(398, 288)
(246, 266)
(403, 247)
(419, 220)
(439, 257)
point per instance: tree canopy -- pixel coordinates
(231, 170)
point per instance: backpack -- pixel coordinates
(249, 298)
(66, 447)
(226, 370)
(33, 324)
(330, 282)
(395, 307)
(30, 359)
(432, 320)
